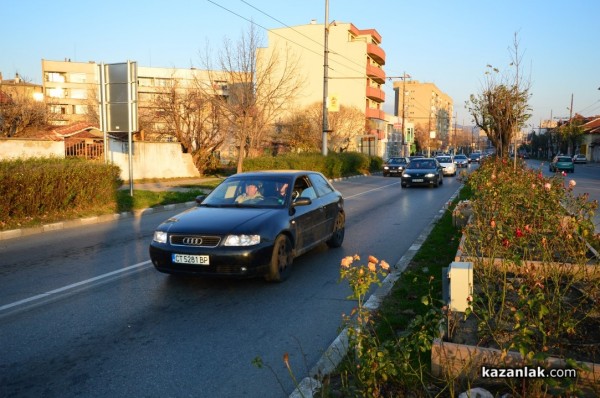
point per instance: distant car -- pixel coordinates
(461, 161)
(579, 159)
(423, 171)
(394, 166)
(293, 212)
(562, 163)
(447, 163)
(475, 157)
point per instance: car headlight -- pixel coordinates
(429, 175)
(242, 240)
(405, 175)
(160, 237)
(386, 168)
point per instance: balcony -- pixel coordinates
(375, 113)
(376, 52)
(376, 94)
(376, 74)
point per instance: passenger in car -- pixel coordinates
(252, 194)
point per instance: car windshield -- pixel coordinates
(249, 191)
(422, 164)
(444, 159)
(564, 159)
(460, 157)
(396, 161)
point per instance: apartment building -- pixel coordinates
(71, 88)
(355, 74)
(18, 87)
(426, 107)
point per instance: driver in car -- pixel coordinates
(252, 194)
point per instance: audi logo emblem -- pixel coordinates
(192, 241)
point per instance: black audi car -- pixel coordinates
(423, 171)
(230, 234)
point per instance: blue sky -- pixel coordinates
(447, 43)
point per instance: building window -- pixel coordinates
(80, 109)
(145, 82)
(162, 82)
(55, 92)
(79, 93)
(55, 77)
(77, 77)
(58, 109)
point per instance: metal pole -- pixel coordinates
(403, 117)
(130, 127)
(102, 109)
(325, 78)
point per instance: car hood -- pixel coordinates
(218, 221)
(420, 171)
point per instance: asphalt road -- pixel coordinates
(84, 314)
(586, 177)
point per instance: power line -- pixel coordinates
(288, 39)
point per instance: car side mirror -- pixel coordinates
(301, 201)
(200, 198)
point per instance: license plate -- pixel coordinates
(417, 180)
(189, 259)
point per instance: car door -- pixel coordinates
(327, 200)
(307, 219)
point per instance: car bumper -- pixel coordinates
(238, 262)
(419, 180)
(449, 172)
(393, 173)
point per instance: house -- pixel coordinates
(590, 146)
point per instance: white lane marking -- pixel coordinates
(72, 286)
(99, 277)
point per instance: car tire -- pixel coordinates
(281, 260)
(339, 230)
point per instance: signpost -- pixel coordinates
(119, 105)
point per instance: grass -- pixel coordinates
(424, 271)
(124, 202)
(422, 278)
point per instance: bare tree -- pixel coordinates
(19, 112)
(501, 108)
(261, 86)
(300, 132)
(192, 117)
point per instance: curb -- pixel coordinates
(19, 233)
(337, 351)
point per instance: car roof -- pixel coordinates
(273, 173)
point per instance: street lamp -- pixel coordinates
(325, 79)
(403, 77)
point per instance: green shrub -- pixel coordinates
(42, 188)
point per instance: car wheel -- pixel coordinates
(339, 230)
(281, 260)
(441, 180)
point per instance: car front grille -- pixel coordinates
(195, 240)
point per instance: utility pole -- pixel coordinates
(403, 114)
(325, 78)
